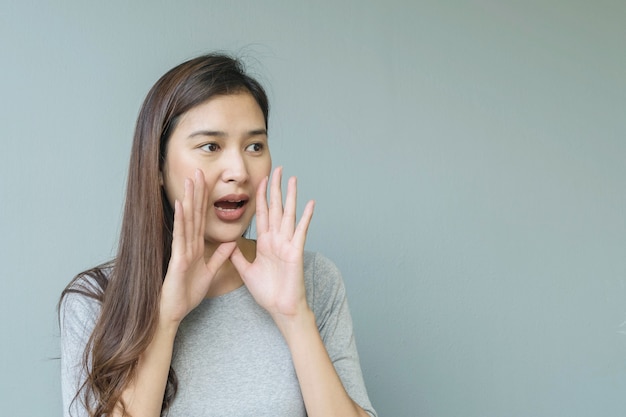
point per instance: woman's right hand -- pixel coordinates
(188, 275)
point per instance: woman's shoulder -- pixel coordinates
(322, 278)
(315, 262)
(84, 293)
(91, 282)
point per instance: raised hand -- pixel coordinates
(188, 275)
(276, 276)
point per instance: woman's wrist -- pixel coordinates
(167, 323)
(293, 325)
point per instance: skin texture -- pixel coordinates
(209, 256)
(226, 138)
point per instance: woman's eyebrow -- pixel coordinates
(257, 132)
(219, 133)
(207, 133)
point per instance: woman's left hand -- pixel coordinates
(276, 276)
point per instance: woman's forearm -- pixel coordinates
(323, 392)
(144, 395)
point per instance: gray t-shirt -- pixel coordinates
(229, 356)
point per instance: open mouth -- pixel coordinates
(229, 205)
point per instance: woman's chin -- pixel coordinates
(219, 238)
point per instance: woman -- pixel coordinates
(191, 318)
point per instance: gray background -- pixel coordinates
(467, 159)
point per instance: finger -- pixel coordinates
(188, 212)
(288, 222)
(261, 207)
(299, 237)
(178, 234)
(240, 262)
(276, 200)
(221, 254)
(200, 203)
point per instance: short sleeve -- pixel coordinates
(77, 318)
(327, 298)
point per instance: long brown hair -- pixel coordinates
(128, 287)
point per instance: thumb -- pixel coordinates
(239, 261)
(221, 254)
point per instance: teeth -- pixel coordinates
(229, 205)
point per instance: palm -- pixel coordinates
(275, 278)
(188, 274)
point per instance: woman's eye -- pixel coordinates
(254, 147)
(210, 147)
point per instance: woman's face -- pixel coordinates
(226, 138)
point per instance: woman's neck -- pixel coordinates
(227, 278)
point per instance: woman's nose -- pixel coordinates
(234, 168)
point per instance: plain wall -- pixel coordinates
(468, 160)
